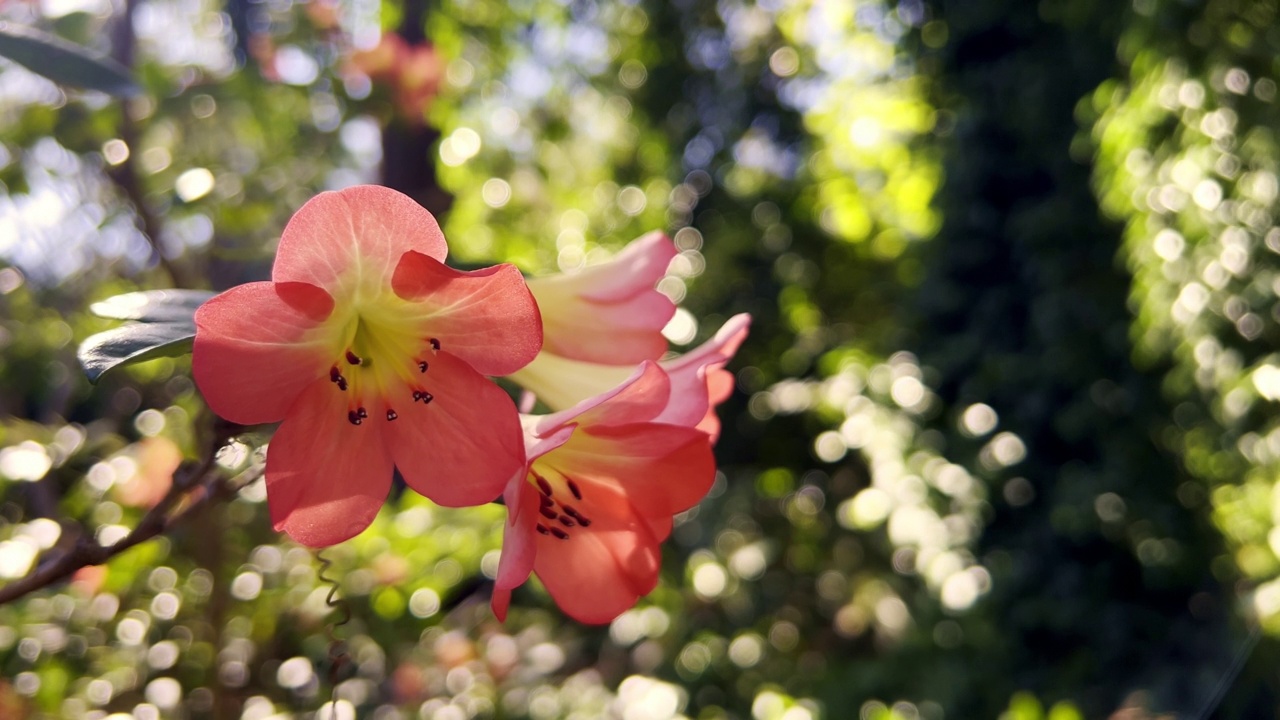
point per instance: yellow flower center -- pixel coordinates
(381, 351)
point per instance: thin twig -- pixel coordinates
(86, 551)
(196, 489)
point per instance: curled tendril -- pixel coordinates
(338, 657)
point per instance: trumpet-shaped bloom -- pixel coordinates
(371, 352)
(698, 378)
(608, 314)
(602, 483)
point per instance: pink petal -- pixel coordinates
(500, 602)
(641, 397)
(354, 238)
(661, 526)
(561, 383)
(255, 349)
(720, 348)
(599, 572)
(609, 313)
(661, 469)
(326, 478)
(462, 447)
(537, 444)
(636, 269)
(720, 384)
(519, 542)
(597, 332)
(696, 387)
(486, 317)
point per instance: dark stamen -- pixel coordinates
(548, 513)
(353, 358)
(559, 533)
(391, 415)
(573, 488)
(342, 384)
(565, 520)
(334, 375)
(542, 529)
(572, 512)
(422, 366)
(362, 413)
(427, 397)
(546, 501)
(354, 417)
(543, 485)
(435, 343)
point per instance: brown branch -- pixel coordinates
(198, 488)
(86, 551)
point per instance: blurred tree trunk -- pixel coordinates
(408, 164)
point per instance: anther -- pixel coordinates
(542, 529)
(572, 512)
(334, 375)
(543, 485)
(354, 417)
(353, 358)
(548, 513)
(342, 384)
(427, 397)
(362, 413)
(546, 501)
(565, 520)
(573, 488)
(391, 415)
(422, 366)
(435, 344)
(559, 533)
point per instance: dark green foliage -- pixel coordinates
(63, 62)
(135, 343)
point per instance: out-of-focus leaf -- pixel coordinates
(64, 62)
(133, 344)
(152, 306)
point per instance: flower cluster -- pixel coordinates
(372, 354)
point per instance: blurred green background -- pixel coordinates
(1005, 440)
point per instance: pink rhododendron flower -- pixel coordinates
(371, 352)
(602, 483)
(698, 378)
(609, 313)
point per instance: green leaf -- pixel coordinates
(135, 343)
(152, 306)
(64, 62)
